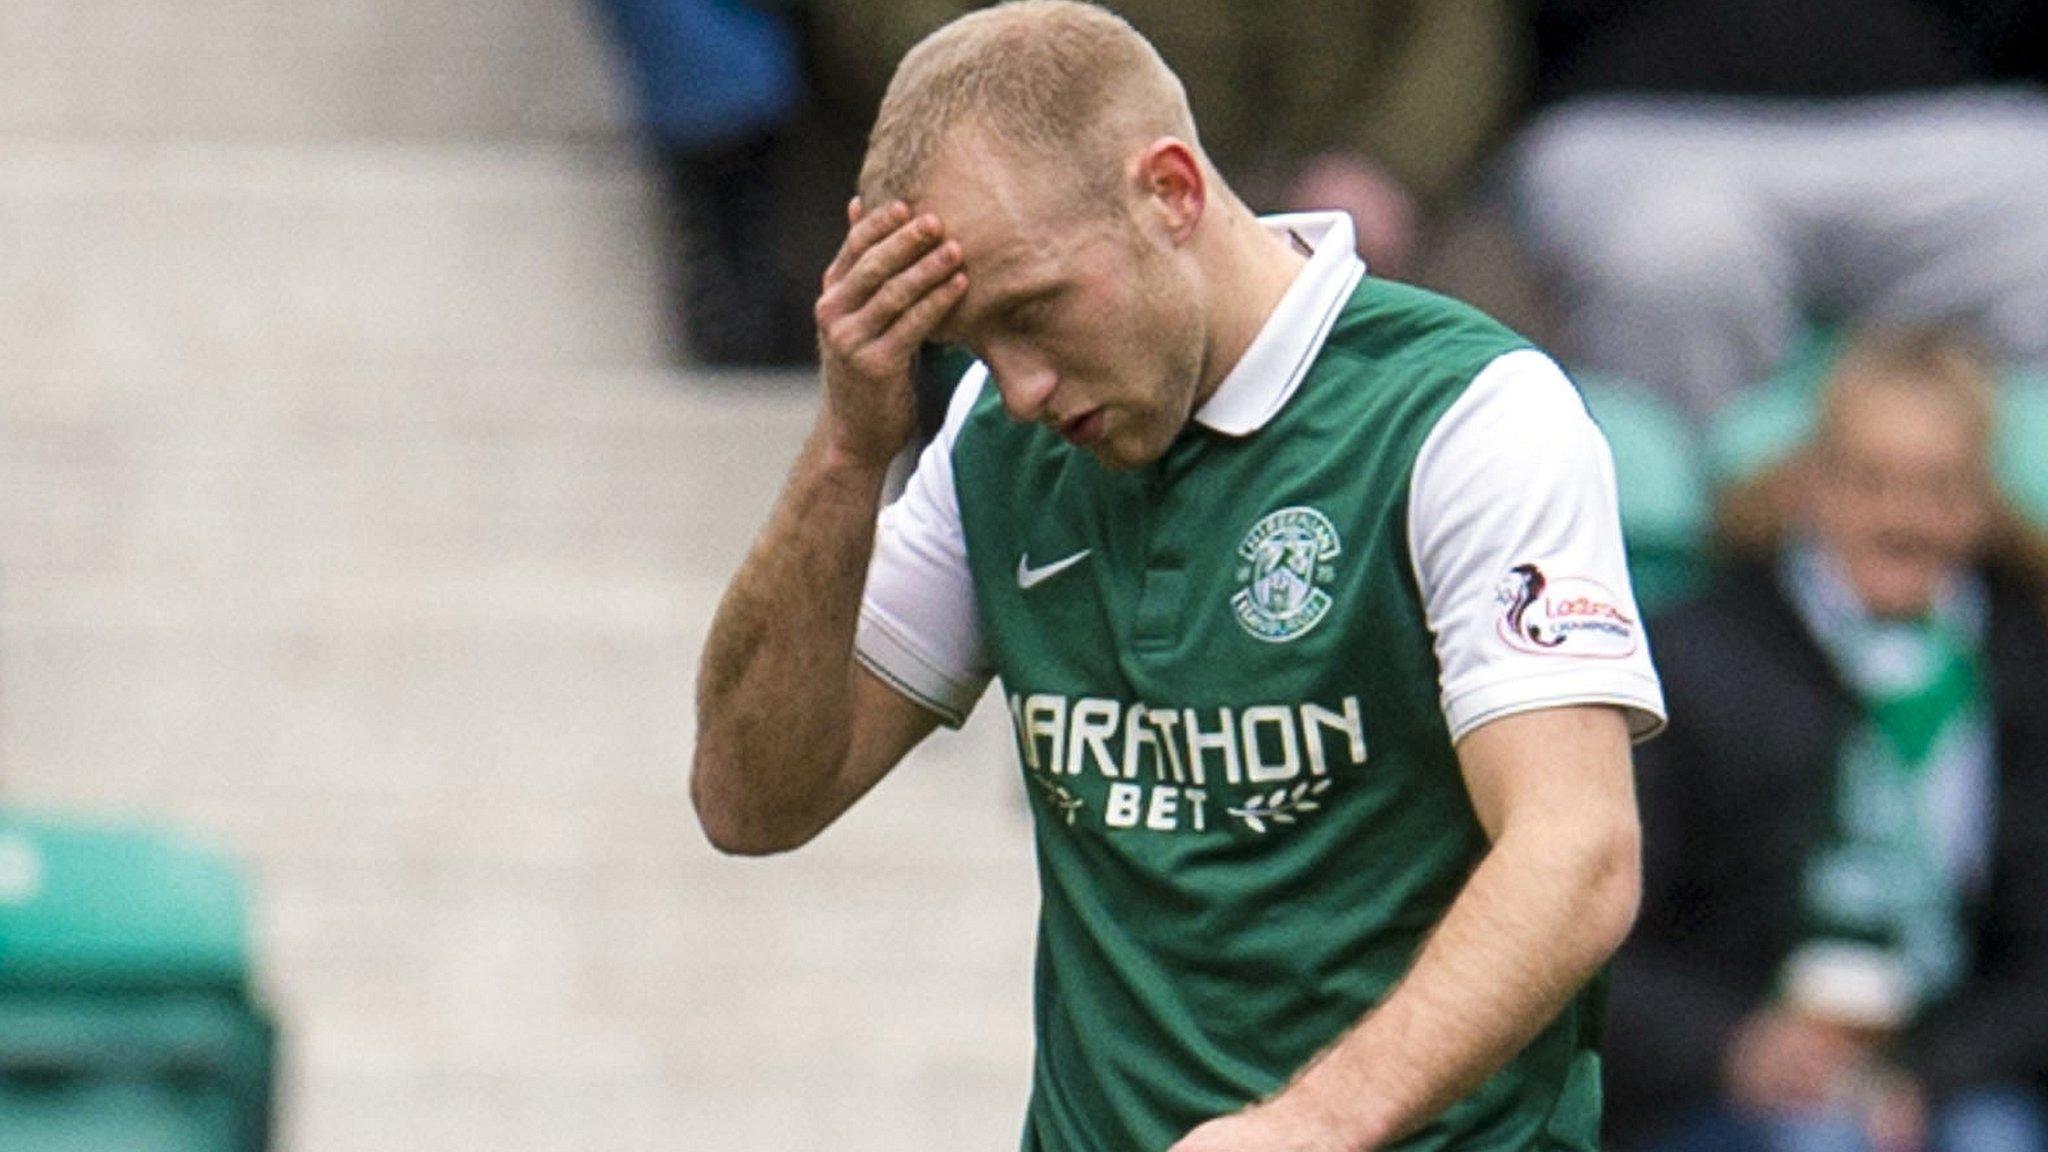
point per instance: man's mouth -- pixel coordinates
(1084, 429)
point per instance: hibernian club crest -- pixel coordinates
(1287, 557)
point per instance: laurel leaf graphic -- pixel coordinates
(1278, 797)
(1283, 818)
(1254, 823)
(1064, 802)
(1307, 806)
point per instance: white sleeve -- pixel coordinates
(919, 628)
(1516, 539)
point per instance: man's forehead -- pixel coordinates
(1004, 261)
(1020, 225)
(988, 195)
(1006, 266)
(981, 209)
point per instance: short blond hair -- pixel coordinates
(1043, 80)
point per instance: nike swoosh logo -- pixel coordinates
(1029, 577)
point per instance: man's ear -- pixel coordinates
(1171, 187)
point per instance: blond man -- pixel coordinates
(1307, 595)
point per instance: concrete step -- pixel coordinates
(369, 578)
(186, 261)
(304, 69)
(420, 646)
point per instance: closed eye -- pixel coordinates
(1029, 314)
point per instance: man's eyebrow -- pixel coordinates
(1032, 293)
(1009, 301)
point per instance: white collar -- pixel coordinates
(1273, 365)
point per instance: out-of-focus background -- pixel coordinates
(388, 388)
(356, 525)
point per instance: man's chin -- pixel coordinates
(1114, 461)
(1122, 454)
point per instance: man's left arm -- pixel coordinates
(1514, 534)
(1549, 903)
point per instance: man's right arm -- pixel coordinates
(790, 729)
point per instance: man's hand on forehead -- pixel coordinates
(895, 278)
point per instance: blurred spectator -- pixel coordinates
(716, 82)
(1377, 107)
(1844, 935)
(1711, 174)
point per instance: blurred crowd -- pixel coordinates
(1844, 935)
(1800, 250)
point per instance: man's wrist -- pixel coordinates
(843, 458)
(840, 460)
(1328, 1101)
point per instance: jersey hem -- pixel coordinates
(1640, 697)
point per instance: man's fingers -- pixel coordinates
(862, 233)
(890, 354)
(884, 260)
(904, 289)
(896, 278)
(916, 322)
(882, 342)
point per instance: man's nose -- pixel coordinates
(1025, 381)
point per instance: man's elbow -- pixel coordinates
(736, 837)
(731, 825)
(1615, 889)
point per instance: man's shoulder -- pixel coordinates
(1398, 360)
(1388, 324)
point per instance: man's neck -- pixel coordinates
(1248, 273)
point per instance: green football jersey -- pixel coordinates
(1229, 694)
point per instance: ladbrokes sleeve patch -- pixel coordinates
(1566, 616)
